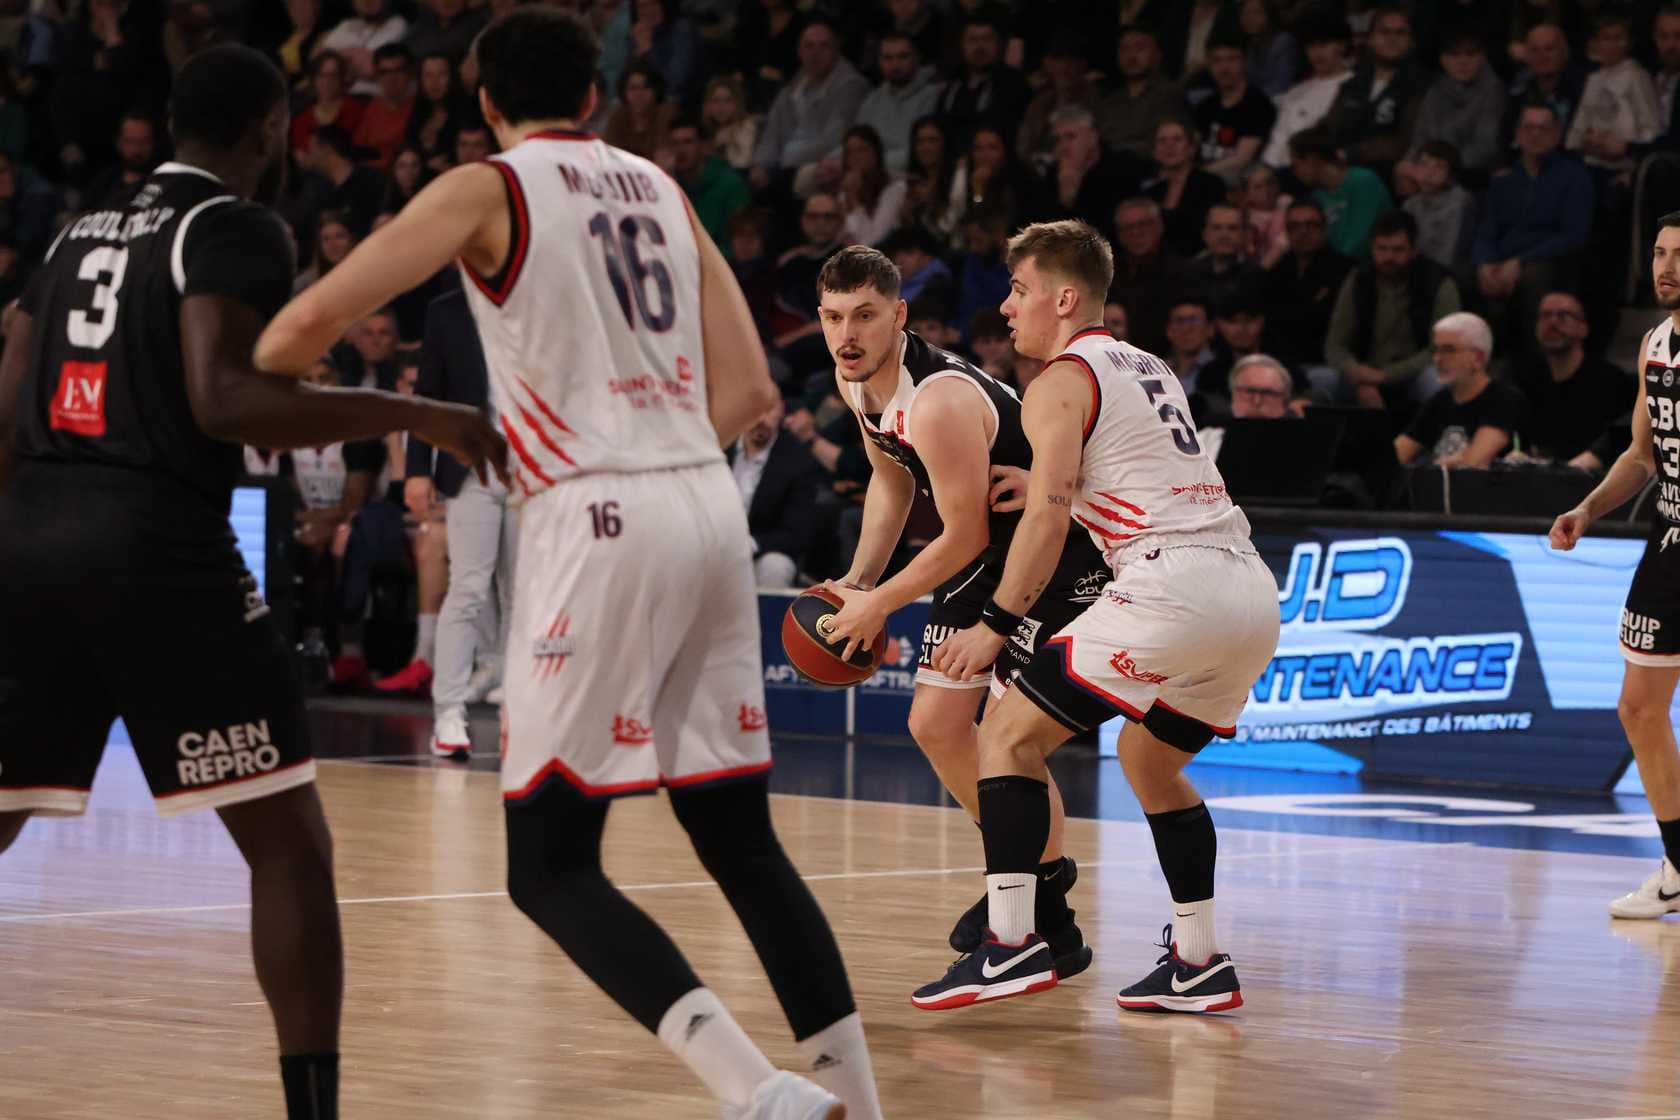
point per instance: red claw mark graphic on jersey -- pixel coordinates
(548, 414)
(1114, 516)
(553, 648)
(753, 719)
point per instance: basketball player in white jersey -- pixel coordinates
(1175, 642)
(1650, 637)
(622, 357)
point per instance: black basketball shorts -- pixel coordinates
(122, 594)
(1651, 618)
(1078, 581)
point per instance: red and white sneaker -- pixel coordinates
(449, 735)
(415, 677)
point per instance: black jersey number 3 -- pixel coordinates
(91, 328)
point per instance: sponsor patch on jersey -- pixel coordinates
(631, 732)
(78, 406)
(752, 718)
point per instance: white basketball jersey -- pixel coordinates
(1144, 476)
(591, 331)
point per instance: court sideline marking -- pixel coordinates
(900, 873)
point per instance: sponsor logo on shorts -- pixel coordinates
(1123, 664)
(1639, 632)
(932, 636)
(631, 732)
(551, 650)
(752, 719)
(240, 750)
(1091, 584)
(1670, 536)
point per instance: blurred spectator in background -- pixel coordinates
(106, 57)
(990, 178)
(1308, 101)
(1219, 273)
(1572, 396)
(931, 202)
(444, 27)
(1142, 98)
(1148, 273)
(371, 25)
(669, 42)
(1665, 36)
(346, 185)
(1259, 389)
(1237, 118)
(994, 350)
(986, 89)
(1185, 34)
(923, 22)
(1445, 212)
(1619, 104)
(1067, 86)
(332, 241)
(1352, 197)
(1302, 288)
(302, 32)
(1473, 420)
(769, 43)
(1464, 106)
(1265, 215)
(14, 115)
(779, 481)
(1375, 109)
(1380, 326)
(330, 103)
(137, 155)
(1190, 352)
(734, 131)
(1114, 321)
(985, 271)
(643, 117)
(873, 202)
(796, 338)
(1182, 190)
(1270, 52)
(28, 207)
(384, 124)
(715, 189)
(1548, 76)
(810, 115)
(408, 175)
(439, 109)
(927, 278)
(1083, 180)
(748, 249)
(908, 92)
(1534, 224)
(473, 142)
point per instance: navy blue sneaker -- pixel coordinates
(992, 971)
(970, 929)
(1177, 986)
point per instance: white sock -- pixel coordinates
(837, 1058)
(1009, 905)
(1193, 931)
(699, 1029)
(425, 645)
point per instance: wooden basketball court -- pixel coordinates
(1383, 978)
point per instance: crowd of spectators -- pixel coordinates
(1406, 208)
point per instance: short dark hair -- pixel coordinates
(1613, 19)
(1391, 222)
(988, 322)
(1539, 102)
(903, 36)
(986, 16)
(1670, 220)
(398, 51)
(333, 136)
(754, 219)
(221, 94)
(1315, 142)
(1306, 202)
(686, 120)
(647, 69)
(1225, 41)
(1324, 27)
(1459, 39)
(859, 266)
(537, 64)
(1446, 153)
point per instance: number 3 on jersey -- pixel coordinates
(629, 273)
(1183, 432)
(91, 329)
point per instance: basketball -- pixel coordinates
(810, 652)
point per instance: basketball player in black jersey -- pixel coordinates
(935, 423)
(126, 391)
(1650, 637)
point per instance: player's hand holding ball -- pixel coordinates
(1569, 528)
(859, 621)
(817, 648)
(967, 653)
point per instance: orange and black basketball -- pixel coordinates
(809, 650)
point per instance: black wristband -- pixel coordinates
(999, 621)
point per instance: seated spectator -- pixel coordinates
(1269, 51)
(444, 27)
(927, 277)
(1181, 189)
(1619, 104)
(1572, 396)
(779, 480)
(985, 270)
(733, 131)
(1149, 275)
(302, 32)
(439, 109)
(1260, 389)
(97, 68)
(1237, 118)
(1068, 87)
(994, 350)
(28, 209)
(347, 186)
(1549, 77)
(1239, 325)
(873, 201)
(408, 175)
(1307, 102)
(1534, 223)
(810, 116)
(1374, 111)
(1219, 273)
(332, 242)
(1301, 289)
(330, 103)
(1665, 35)
(986, 89)
(929, 315)
(748, 249)
(1114, 320)
(1473, 420)
(371, 25)
(931, 202)
(473, 142)
(715, 189)
(1186, 32)
(137, 155)
(1084, 180)
(923, 22)
(769, 37)
(1351, 197)
(1464, 106)
(1444, 211)
(669, 43)
(642, 121)
(990, 178)
(908, 92)
(1142, 97)
(796, 338)
(1265, 214)
(1190, 353)
(384, 124)
(1380, 326)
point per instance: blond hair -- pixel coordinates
(1068, 248)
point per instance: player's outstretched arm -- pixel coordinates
(1628, 475)
(462, 214)
(738, 385)
(14, 366)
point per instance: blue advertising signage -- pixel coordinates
(881, 704)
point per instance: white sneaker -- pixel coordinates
(485, 677)
(1658, 895)
(787, 1096)
(449, 735)
(496, 696)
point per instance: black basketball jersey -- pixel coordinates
(106, 382)
(1662, 405)
(920, 364)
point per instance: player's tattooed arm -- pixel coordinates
(1063, 500)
